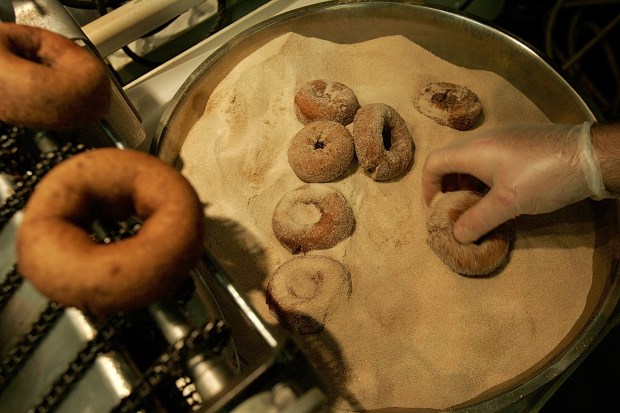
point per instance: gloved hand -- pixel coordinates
(530, 169)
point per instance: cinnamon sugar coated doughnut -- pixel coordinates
(55, 250)
(383, 144)
(304, 291)
(312, 217)
(321, 151)
(479, 258)
(48, 81)
(325, 100)
(450, 105)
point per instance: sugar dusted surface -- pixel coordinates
(413, 333)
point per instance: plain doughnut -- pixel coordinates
(57, 254)
(479, 258)
(304, 291)
(383, 144)
(325, 100)
(48, 81)
(312, 217)
(450, 105)
(321, 151)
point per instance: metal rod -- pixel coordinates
(210, 373)
(127, 23)
(591, 43)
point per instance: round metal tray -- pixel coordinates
(463, 41)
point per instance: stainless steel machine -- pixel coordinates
(205, 349)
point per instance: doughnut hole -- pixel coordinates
(305, 213)
(462, 182)
(386, 134)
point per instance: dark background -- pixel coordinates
(560, 30)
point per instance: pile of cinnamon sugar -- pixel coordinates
(413, 333)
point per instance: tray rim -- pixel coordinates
(607, 303)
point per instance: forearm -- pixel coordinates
(606, 143)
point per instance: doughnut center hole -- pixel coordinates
(318, 145)
(305, 213)
(386, 134)
(108, 217)
(445, 98)
(463, 182)
(28, 53)
(306, 288)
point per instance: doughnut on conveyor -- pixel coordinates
(178, 354)
(189, 360)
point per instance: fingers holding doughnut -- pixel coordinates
(383, 144)
(479, 258)
(48, 81)
(449, 104)
(484, 216)
(312, 217)
(325, 100)
(321, 152)
(55, 250)
(304, 291)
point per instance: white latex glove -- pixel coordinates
(530, 169)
